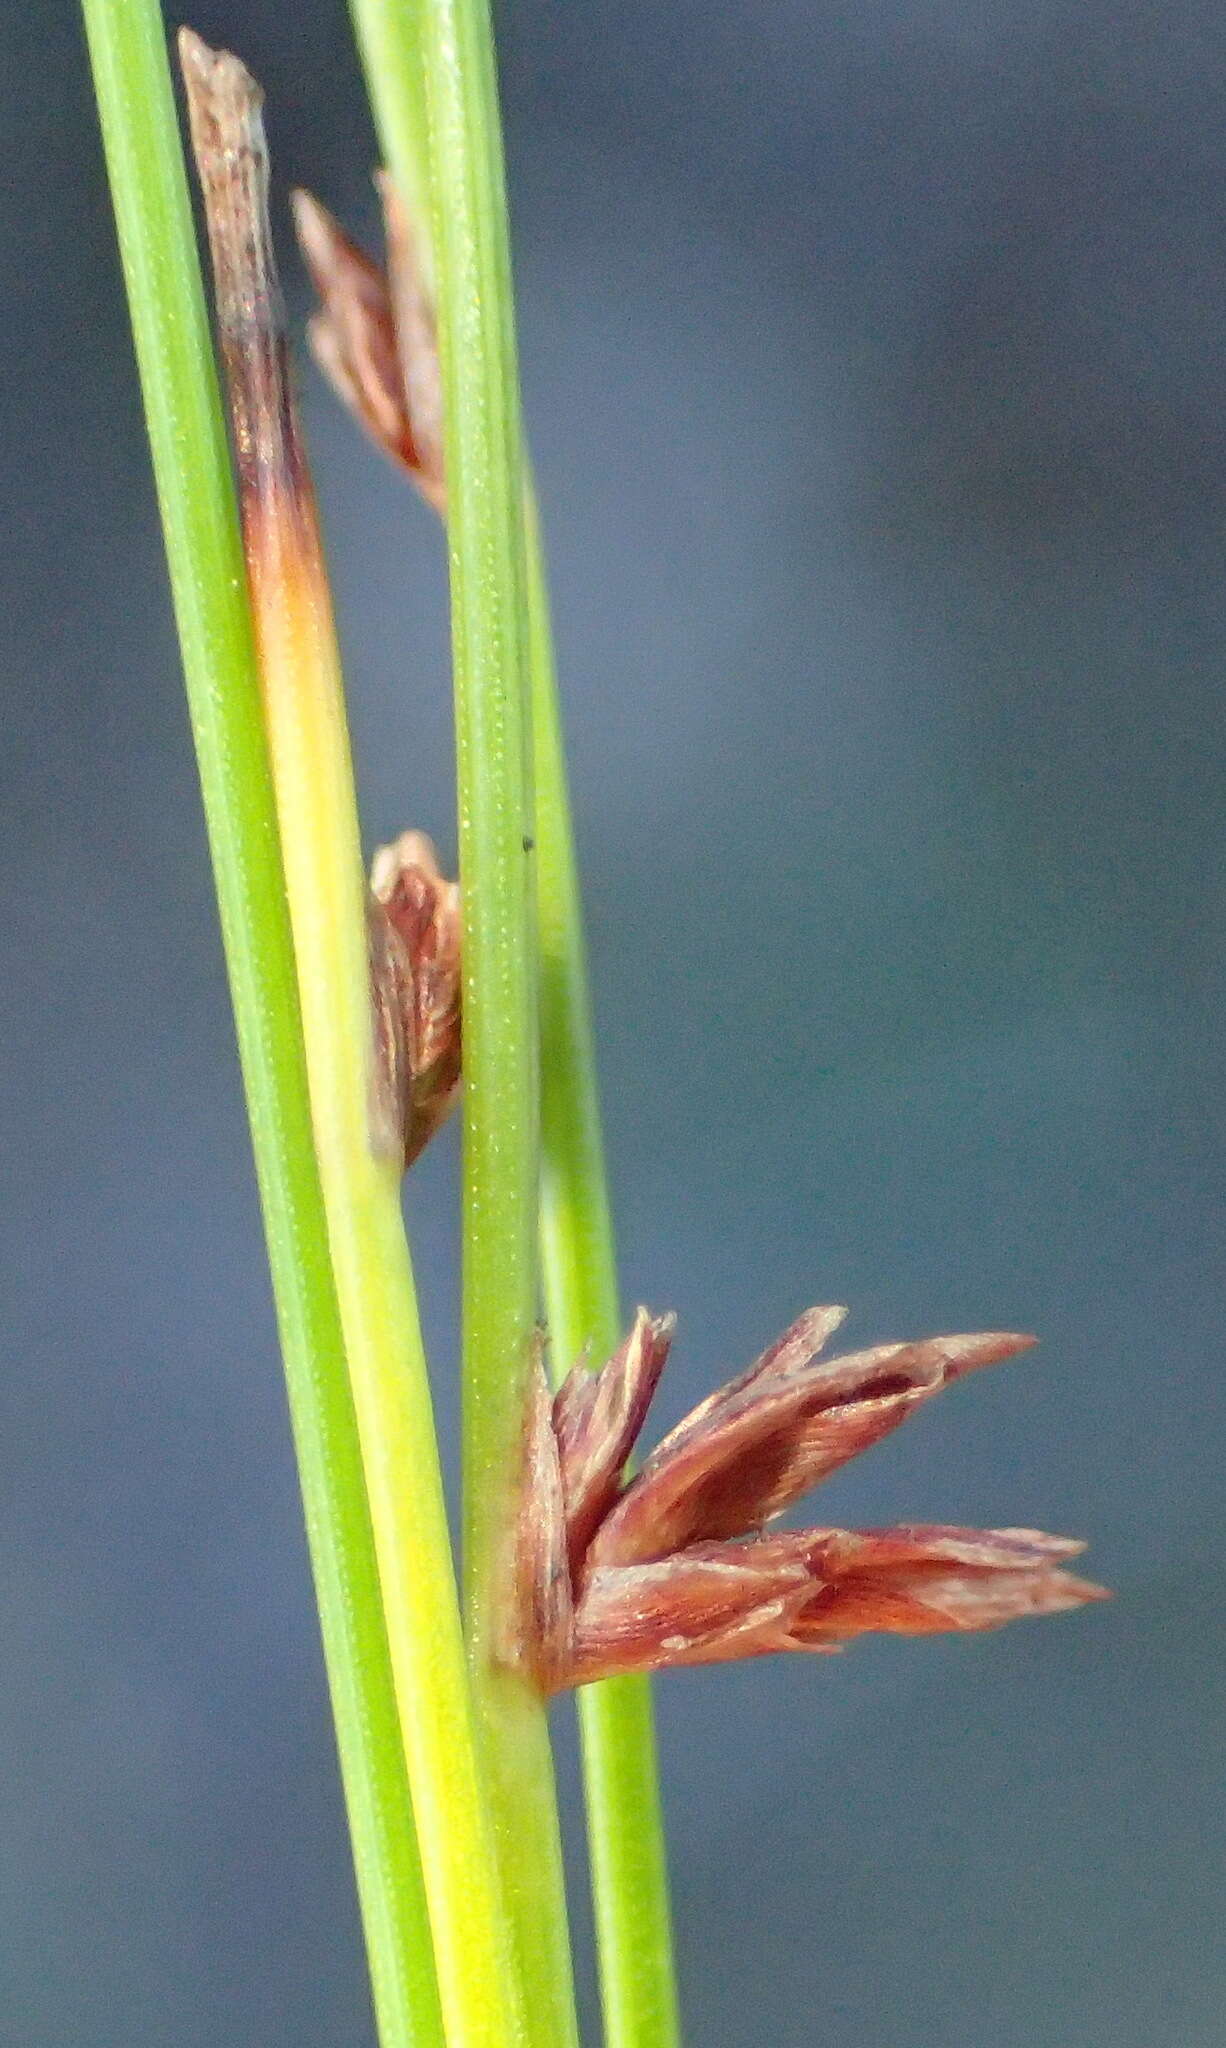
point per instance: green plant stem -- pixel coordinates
(360, 1160)
(388, 36)
(621, 1779)
(629, 1870)
(199, 517)
(472, 1943)
(487, 553)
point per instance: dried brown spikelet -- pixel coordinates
(375, 336)
(670, 1567)
(415, 977)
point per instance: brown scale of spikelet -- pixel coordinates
(375, 336)
(671, 1567)
(415, 978)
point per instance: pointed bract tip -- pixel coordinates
(1084, 1592)
(817, 1325)
(413, 849)
(416, 979)
(309, 213)
(207, 72)
(194, 53)
(965, 1354)
(314, 227)
(1040, 1540)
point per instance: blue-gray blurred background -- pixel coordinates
(874, 364)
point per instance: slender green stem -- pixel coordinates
(382, 1335)
(579, 1266)
(360, 1161)
(621, 1779)
(486, 543)
(196, 496)
(629, 1872)
(388, 36)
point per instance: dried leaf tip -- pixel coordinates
(280, 529)
(224, 107)
(671, 1568)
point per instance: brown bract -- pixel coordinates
(375, 335)
(671, 1566)
(415, 978)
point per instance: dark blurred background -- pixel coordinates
(874, 366)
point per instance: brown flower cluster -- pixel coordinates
(671, 1567)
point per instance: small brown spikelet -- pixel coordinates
(415, 979)
(671, 1567)
(375, 336)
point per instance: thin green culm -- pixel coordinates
(200, 523)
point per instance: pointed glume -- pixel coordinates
(670, 1567)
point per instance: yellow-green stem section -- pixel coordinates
(360, 1175)
(486, 544)
(621, 1779)
(315, 795)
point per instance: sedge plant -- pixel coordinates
(352, 1002)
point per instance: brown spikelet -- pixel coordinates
(416, 325)
(415, 914)
(785, 1429)
(670, 1567)
(375, 336)
(353, 335)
